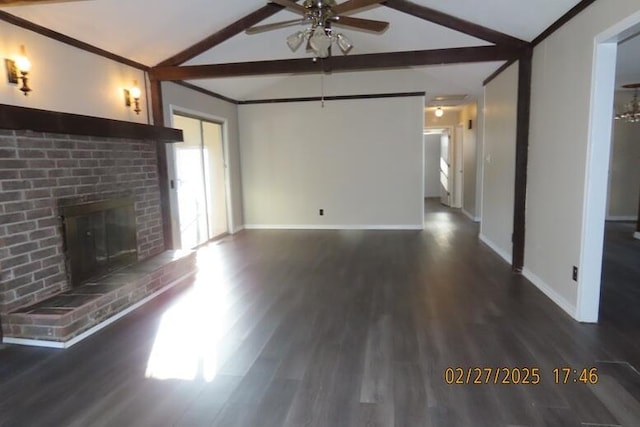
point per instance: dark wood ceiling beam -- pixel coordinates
(338, 63)
(223, 35)
(457, 24)
(62, 38)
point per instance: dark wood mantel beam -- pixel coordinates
(457, 24)
(337, 63)
(223, 35)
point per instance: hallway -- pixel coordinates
(334, 328)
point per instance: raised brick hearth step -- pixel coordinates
(67, 315)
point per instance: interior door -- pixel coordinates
(445, 169)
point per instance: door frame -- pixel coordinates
(194, 114)
(452, 142)
(597, 166)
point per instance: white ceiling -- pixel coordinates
(149, 32)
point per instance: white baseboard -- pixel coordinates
(637, 235)
(621, 218)
(496, 248)
(471, 217)
(99, 326)
(330, 227)
(238, 229)
(569, 308)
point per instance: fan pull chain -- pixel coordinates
(322, 88)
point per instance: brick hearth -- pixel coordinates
(66, 315)
(40, 172)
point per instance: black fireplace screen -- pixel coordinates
(99, 237)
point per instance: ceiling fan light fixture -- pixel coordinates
(344, 43)
(631, 110)
(294, 41)
(320, 42)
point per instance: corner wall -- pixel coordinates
(359, 160)
(558, 150)
(500, 120)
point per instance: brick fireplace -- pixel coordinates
(41, 175)
(41, 172)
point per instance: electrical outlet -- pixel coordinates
(321, 212)
(575, 273)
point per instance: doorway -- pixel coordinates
(597, 173)
(200, 180)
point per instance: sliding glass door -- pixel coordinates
(200, 179)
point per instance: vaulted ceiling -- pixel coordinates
(151, 32)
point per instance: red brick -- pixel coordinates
(7, 153)
(47, 272)
(42, 233)
(29, 289)
(43, 253)
(9, 263)
(12, 218)
(17, 206)
(13, 164)
(58, 154)
(30, 154)
(15, 185)
(42, 164)
(21, 227)
(26, 269)
(39, 213)
(33, 173)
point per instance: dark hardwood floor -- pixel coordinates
(343, 328)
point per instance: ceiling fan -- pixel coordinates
(321, 16)
(25, 2)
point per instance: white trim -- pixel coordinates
(507, 257)
(562, 302)
(622, 217)
(238, 229)
(636, 235)
(471, 217)
(330, 227)
(99, 326)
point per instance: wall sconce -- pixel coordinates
(21, 65)
(133, 93)
(439, 112)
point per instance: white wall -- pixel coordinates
(624, 172)
(501, 100)
(359, 160)
(67, 79)
(560, 116)
(432, 165)
(469, 112)
(186, 100)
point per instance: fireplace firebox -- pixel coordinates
(99, 237)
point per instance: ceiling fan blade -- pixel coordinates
(352, 5)
(21, 2)
(294, 7)
(362, 24)
(268, 27)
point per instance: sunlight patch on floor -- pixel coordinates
(186, 346)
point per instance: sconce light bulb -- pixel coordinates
(135, 92)
(23, 64)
